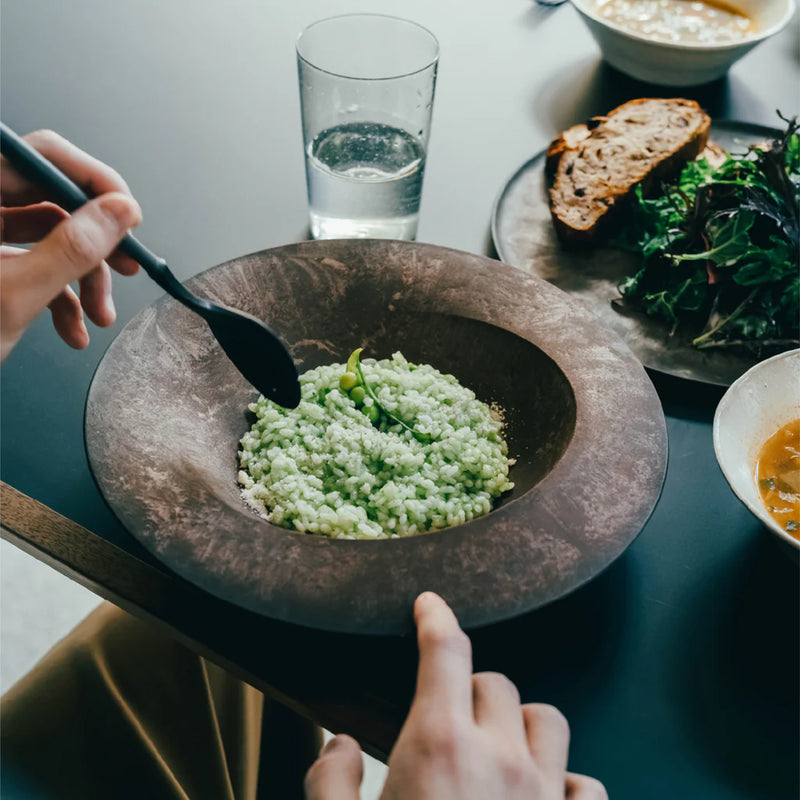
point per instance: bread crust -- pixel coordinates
(623, 132)
(568, 140)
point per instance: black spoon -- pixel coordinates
(252, 347)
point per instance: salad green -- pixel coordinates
(719, 249)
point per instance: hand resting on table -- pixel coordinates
(466, 737)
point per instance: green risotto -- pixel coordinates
(374, 450)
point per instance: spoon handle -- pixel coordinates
(70, 197)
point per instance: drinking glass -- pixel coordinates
(366, 93)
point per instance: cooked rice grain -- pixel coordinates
(324, 468)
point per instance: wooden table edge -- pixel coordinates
(133, 585)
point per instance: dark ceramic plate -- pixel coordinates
(524, 237)
(166, 411)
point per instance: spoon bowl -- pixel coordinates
(250, 344)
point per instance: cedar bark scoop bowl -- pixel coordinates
(166, 411)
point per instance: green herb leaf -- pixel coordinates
(727, 235)
(353, 361)
(354, 366)
(720, 248)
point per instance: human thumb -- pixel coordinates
(75, 247)
(337, 773)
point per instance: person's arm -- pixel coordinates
(68, 248)
(467, 737)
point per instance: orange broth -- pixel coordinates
(778, 476)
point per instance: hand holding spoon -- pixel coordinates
(254, 349)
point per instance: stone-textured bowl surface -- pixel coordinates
(166, 410)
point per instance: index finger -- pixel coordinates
(91, 174)
(444, 678)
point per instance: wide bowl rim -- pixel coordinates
(581, 6)
(723, 407)
(524, 555)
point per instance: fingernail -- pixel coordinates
(124, 210)
(419, 604)
(109, 303)
(82, 339)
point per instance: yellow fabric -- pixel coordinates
(119, 710)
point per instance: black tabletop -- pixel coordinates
(678, 667)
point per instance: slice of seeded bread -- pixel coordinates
(715, 154)
(569, 140)
(572, 137)
(596, 167)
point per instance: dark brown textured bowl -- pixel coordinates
(166, 411)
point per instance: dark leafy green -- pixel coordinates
(720, 249)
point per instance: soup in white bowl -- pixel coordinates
(675, 42)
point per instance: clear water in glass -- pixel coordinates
(364, 180)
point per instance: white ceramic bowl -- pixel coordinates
(681, 64)
(762, 401)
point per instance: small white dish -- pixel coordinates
(756, 406)
(684, 64)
